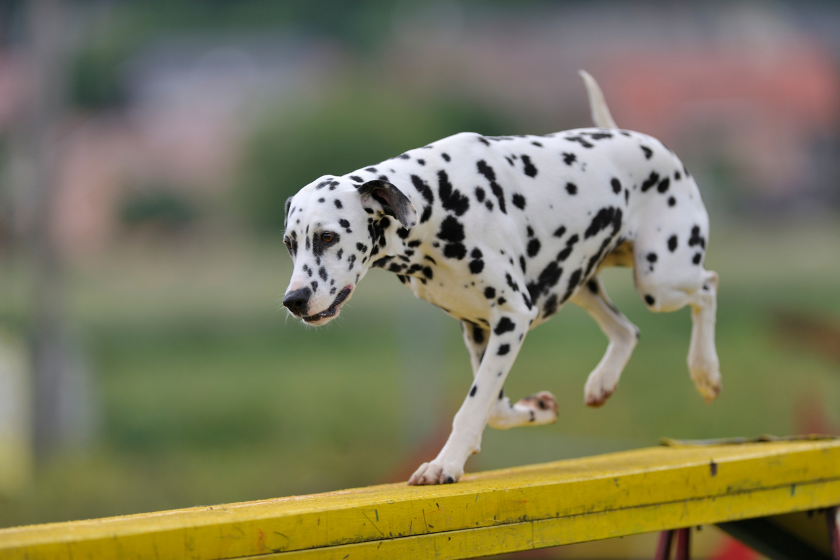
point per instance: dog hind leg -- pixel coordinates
(698, 289)
(703, 360)
(621, 333)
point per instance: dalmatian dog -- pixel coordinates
(500, 233)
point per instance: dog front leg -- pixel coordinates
(502, 347)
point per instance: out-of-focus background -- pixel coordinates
(146, 151)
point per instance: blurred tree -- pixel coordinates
(158, 206)
(361, 127)
(357, 25)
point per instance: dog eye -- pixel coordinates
(327, 237)
(288, 244)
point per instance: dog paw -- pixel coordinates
(542, 408)
(707, 380)
(596, 392)
(436, 473)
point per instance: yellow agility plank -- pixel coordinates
(486, 513)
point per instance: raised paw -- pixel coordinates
(597, 390)
(707, 379)
(436, 472)
(542, 408)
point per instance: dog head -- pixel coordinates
(334, 228)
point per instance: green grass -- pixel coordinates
(209, 395)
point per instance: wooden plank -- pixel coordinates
(486, 513)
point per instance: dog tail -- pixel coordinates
(600, 112)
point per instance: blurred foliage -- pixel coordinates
(354, 129)
(95, 70)
(94, 76)
(159, 207)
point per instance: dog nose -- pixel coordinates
(298, 301)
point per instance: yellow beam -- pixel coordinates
(486, 513)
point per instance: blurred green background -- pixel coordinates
(141, 220)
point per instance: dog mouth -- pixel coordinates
(332, 309)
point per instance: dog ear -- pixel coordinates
(394, 203)
(286, 217)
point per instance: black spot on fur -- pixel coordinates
(344, 223)
(527, 301)
(609, 216)
(427, 272)
(510, 282)
(476, 266)
(452, 199)
(650, 181)
(559, 232)
(652, 257)
(616, 185)
(570, 244)
(451, 230)
(519, 201)
(648, 152)
(671, 201)
(483, 140)
(672, 243)
(580, 140)
(593, 286)
(649, 299)
(697, 258)
(568, 158)
(550, 306)
(427, 213)
(503, 349)
(423, 188)
(533, 247)
(574, 278)
(571, 188)
(490, 175)
(479, 194)
(473, 390)
(663, 185)
(478, 334)
(522, 262)
(696, 238)
(547, 279)
(445, 156)
(337, 203)
(489, 292)
(537, 144)
(504, 325)
(454, 251)
(530, 170)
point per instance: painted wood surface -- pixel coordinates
(486, 513)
